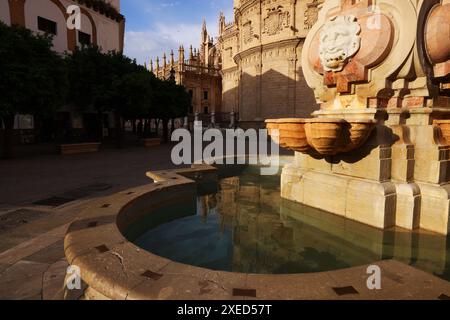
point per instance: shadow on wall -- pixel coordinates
(271, 95)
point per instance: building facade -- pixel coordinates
(261, 59)
(199, 71)
(101, 25)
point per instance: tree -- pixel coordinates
(134, 93)
(110, 82)
(91, 75)
(170, 101)
(33, 80)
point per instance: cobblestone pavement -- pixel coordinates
(40, 196)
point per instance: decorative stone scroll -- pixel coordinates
(347, 45)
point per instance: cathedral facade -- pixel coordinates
(261, 54)
(199, 71)
(253, 69)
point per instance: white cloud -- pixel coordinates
(148, 44)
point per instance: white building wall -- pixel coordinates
(48, 10)
(107, 32)
(107, 29)
(86, 27)
(4, 12)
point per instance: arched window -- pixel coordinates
(47, 16)
(85, 34)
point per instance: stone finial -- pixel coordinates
(181, 54)
(191, 54)
(172, 60)
(204, 32)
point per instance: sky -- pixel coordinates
(157, 26)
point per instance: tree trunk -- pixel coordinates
(172, 126)
(165, 124)
(119, 131)
(8, 138)
(100, 126)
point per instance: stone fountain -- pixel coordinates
(378, 150)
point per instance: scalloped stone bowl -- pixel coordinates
(272, 130)
(292, 133)
(360, 131)
(326, 136)
(444, 125)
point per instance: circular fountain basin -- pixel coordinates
(236, 238)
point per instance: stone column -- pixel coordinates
(232, 119)
(213, 120)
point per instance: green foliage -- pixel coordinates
(33, 77)
(113, 82)
(36, 80)
(171, 101)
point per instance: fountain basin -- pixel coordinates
(291, 133)
(326, 136)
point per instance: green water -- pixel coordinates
(246, 227)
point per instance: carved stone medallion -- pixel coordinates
(339, 41)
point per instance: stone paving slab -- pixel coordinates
(32, 246)
(23, 280)
(50, 254)
(53, 279)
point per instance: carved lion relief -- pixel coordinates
(339, 41)
(276, 20)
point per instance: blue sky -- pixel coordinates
(156, 26)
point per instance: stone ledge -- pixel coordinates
(77, 148)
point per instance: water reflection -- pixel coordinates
(247, 227)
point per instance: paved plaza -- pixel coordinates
(41, 196)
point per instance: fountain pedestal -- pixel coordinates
(381, 66)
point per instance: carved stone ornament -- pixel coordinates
(247, 32)
(339, 41)
(276, 20)
(312, 13)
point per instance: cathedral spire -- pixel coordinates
(204, 32)
(181, 54)
(172, 60)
